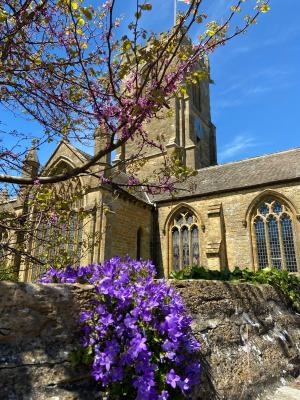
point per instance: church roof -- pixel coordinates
(80, 155)
(252, 172)
(83, 153)
(121, 181)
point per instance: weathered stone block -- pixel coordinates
(250, 339)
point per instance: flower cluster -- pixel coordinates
(135, 330)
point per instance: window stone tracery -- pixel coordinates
(70, 232)
(274, 237)
(4, 239)
(185, 240)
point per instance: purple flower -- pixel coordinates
(172, 378)
(185, 385)
(53, 218)
(134, 328)
(137, 344)
(106, 320)
(85, 316)
(117, 374)
(164, 395)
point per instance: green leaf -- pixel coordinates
(76, 357)
(3, 16)
(146, 7)
(87, 14)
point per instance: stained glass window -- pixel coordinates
(4, 241)
(264, 209)
(179, 219)
(175, 240)
(185, 240)
(195, 245)
(288, 243)
(55, 242)
(277, 207)
(190, 219)
(261, 245)
(275, 245)
(185, 247)
(79, 241)
(41, 236)
(72, 229)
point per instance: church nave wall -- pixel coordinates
(226, 227)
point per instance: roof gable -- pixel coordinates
(67, 153)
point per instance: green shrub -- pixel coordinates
(288, 284)
(7, 275)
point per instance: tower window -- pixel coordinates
(196, 96)
(274, 236)
(198, 128)
(184, 240)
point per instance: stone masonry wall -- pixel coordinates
(125, 220)
(250, 339)
(237, 234)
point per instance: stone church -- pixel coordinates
(243, 213)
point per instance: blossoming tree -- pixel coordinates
(76, 70)
(64, 64)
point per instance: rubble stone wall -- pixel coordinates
(250, 340)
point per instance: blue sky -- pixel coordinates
(255, 97)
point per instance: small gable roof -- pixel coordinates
(76, 155)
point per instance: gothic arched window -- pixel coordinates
(274, 236)
(56, 242)
(4, 239)
(185, 240)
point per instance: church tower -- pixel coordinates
(186, 128)
(195, 134)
